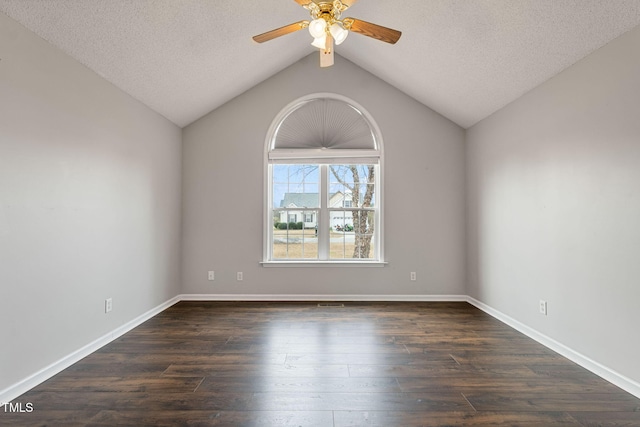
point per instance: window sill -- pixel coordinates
(325, 264)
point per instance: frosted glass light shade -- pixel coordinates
(338, 32)
(317, 27)
(320, 42)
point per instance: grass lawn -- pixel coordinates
(308, 250)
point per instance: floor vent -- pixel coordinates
(330, 304)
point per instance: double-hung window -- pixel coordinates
(323, 186)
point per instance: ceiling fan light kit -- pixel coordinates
(327, 27)
(320, 42)
(338, 32)
(317, 28)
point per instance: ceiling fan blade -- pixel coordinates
(269, 35)
(349, 3)
(375, 31)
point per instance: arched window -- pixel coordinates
(323, 186)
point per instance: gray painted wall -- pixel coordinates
(89, 205)
(554, 207)
(223, 192)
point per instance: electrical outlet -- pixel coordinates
(413, 276)
(108, 305)
(211, 275)
(239, 276)
(543, 307)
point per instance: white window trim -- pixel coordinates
(323, 264)
(328, 156)
(321, 156)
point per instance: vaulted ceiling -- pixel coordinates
(463, 58)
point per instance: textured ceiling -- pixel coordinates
(463, 58)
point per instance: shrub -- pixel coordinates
(282, 225)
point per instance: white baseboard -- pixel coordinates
(318, 297)
(602, 371)
(16, 390)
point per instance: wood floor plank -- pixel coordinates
(216, 358)
(316, 384)
(409, 402)
(453, 418)
(365, 358)
(128, 383)
(214, 418)
(544, 402)
(320, 348)
(284, 364)
(311, 338)
(89, 368)
(51, 417)
(448, 370)
(506, 358)
(607, 419)
(256, 371)
(140, 401)
(504, 384)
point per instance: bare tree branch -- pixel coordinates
(340, 179)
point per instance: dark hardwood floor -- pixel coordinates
(297, 364)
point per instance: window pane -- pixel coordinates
(369, 195)
(352, 185)
(341, 174)
(366, 195)
(295, 186)
(351, 234)
(279, 190)
(340, 240)
(336, 197)
(296, 238)
(364, 246)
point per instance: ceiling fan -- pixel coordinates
(327, 27)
